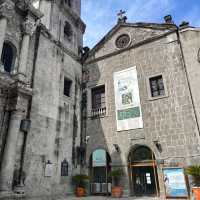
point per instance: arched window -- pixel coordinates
(68, 33)
(8, 56)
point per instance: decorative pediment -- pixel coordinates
(124, 35)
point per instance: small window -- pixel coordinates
(123, 41)
(8, 57)
(157, 86)
(68, 33)
(98, 97)
(68, 2)
(67, 87)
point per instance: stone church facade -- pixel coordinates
(57, 101)
(166, 59)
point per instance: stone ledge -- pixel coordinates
(11, 196)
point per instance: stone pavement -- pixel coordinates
(110, 198)
(21, 197)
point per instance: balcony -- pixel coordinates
(98, 112)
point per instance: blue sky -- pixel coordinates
(101, 15)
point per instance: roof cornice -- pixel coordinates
(155, 26)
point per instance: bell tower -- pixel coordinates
(62, 19)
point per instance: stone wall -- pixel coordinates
(52, 116)
(4, 118)
(52, 137)
(190, 40)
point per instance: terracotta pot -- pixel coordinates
(80, 192)
(196, 191)
(117, 191)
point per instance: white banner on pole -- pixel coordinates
(127, 100)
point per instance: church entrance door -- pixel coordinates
(143, 172)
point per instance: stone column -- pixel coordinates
(8, 161)
(28, 29)
(45, 8)
(3, 26)
(6, 11)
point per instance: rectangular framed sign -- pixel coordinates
(48, 169)
(127, 100)
(175, 183)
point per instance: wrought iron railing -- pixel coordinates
(98, 112)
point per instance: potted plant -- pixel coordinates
(194, 171)
(117, 190)
(80, 181)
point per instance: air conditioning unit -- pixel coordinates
(109, 187)
(95, 188)
(104, 188)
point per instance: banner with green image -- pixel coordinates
(127, 100)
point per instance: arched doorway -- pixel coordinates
(143, 172)
(100, 166)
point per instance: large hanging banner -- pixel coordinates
(127, 100)
(175, 184)
(99, 158)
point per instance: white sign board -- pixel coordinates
(175, 183)
(48, 170)
(127, 100)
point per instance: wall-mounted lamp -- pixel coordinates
(158, 145)
(117, 148)
(87, 138)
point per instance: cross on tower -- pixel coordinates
(121, 14)
(121, 17)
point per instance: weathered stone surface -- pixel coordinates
(45, 59)
(170, 120)
(56, 119)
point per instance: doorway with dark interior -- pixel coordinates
(143, 172)
(100, 166)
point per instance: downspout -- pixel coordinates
(187, 77)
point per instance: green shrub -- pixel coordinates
(194, 171)
(80, 180)
(116, 174)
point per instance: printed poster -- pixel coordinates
(175, 184)
(127, 100)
